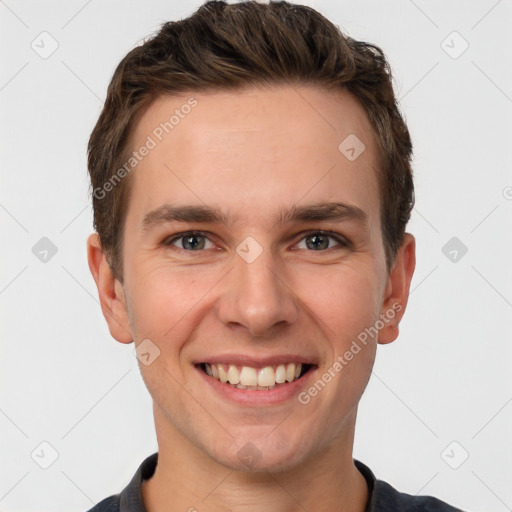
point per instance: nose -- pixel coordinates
(256, 297)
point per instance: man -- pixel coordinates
(251, 186)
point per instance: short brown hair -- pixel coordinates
(229, 47)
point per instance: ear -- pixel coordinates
(110, 290)
(397, 290)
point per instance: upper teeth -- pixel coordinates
(249, 376)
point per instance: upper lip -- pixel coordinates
(257, 362)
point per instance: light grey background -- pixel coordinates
(446, 379)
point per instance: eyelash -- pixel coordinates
(342, 241)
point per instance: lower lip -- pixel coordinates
(280, 394)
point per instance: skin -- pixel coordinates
(252, 154)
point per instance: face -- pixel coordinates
(253, 252)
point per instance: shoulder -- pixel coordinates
(130, 497)
(388, 498)
(385, 498)
(111, 504)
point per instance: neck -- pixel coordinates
(186, 479)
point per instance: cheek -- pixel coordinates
(344, 299)
(165, 301)
(345, 304)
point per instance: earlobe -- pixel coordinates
(110, 291)
(397, 290)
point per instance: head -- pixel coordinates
(224, 47)
(256, 126)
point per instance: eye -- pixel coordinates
(321, 240)
(191, 241)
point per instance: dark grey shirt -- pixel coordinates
(382, 497)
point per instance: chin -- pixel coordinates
(262, 454)
(255, 461)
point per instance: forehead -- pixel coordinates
(258, 147)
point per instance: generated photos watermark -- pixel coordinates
(152, 140)
(343, 360)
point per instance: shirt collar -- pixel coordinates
(131, 497)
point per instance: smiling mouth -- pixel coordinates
(257, 379)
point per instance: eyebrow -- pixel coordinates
(334, 211)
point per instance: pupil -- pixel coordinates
(192, 242)
(317, 242)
